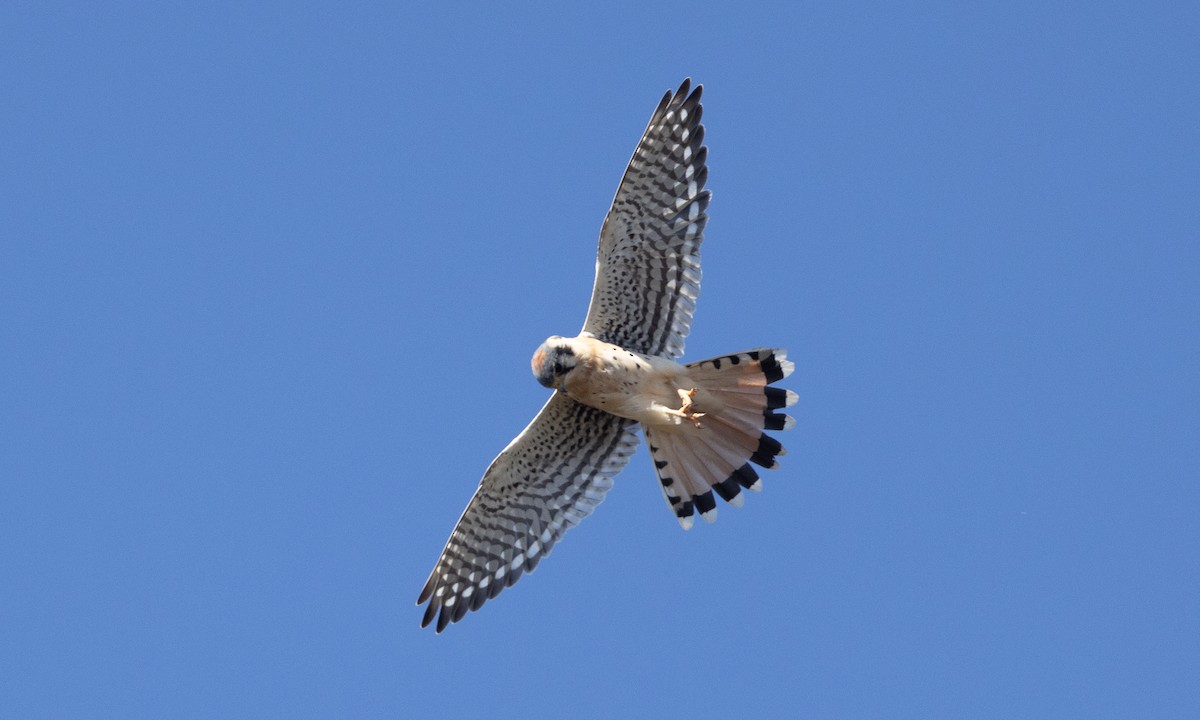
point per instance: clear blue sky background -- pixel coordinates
(271, 274)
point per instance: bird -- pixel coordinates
(704, 422)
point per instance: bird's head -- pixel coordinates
(552, 361)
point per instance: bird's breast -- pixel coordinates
(625, 383)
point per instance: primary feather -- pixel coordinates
(704, 422)
(648, 261)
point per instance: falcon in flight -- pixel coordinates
(703, 421)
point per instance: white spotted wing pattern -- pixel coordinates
(648, 262)
(548, 479)
(560, 467)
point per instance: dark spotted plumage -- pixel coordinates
(548, 479)
(703, 422)
(648, 262)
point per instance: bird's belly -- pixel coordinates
(638, 391)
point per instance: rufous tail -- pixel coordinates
(738, 402)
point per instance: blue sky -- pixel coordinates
(270, 277)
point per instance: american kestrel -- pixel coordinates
(703, 421)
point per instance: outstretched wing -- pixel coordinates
(548, 479)
(648, 264)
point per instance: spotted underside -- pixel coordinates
(548, 479)
(648, 262)
(561, 466)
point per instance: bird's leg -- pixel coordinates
(686, 409)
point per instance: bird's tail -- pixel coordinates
(734, 403)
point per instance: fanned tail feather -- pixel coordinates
(738, 402)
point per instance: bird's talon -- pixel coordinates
(687, 403)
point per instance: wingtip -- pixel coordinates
(430, 612)
(426, 592)
(685, 92)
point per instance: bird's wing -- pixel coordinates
(648, 263)
(548, 479)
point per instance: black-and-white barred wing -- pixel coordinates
(648, 264)
(548, 479)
